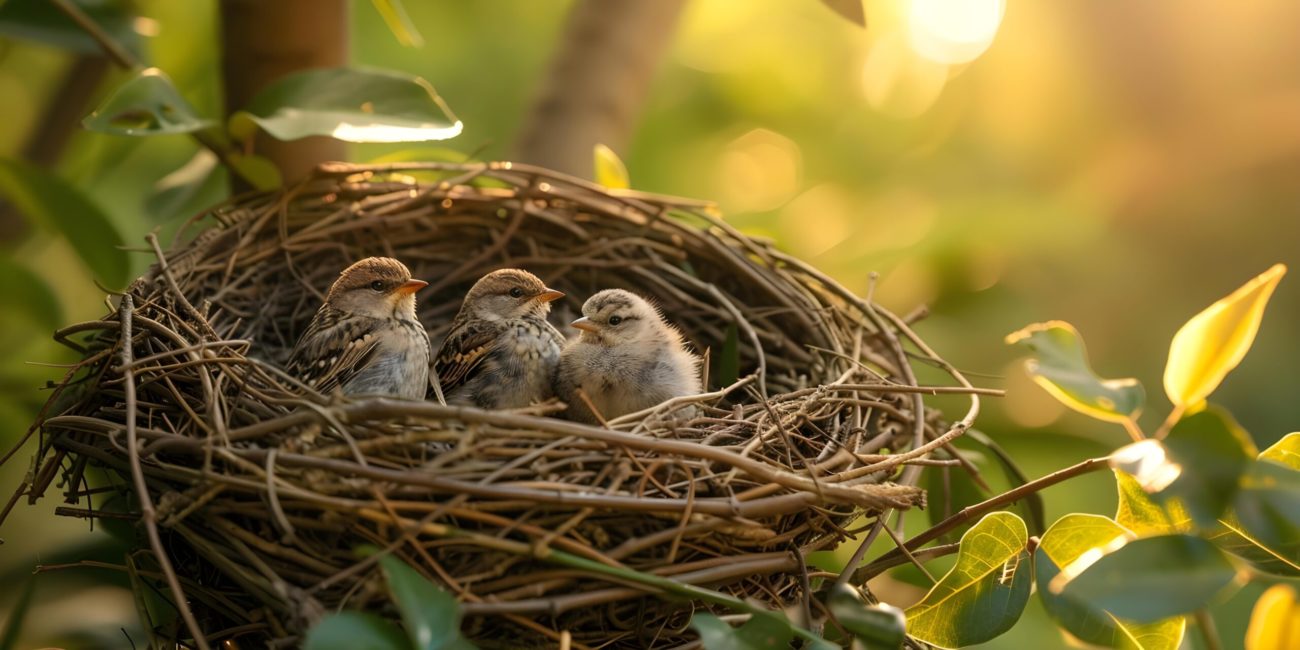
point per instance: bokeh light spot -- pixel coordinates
(758, 171)
(953, 31)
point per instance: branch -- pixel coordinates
(598, 79)
(263, 41)
(970, 512)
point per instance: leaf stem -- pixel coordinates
(1134, 431)
(1168, 425)
(970, 512)
(1209, 632)
(114, 50)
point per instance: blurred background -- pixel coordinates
(1116, 165)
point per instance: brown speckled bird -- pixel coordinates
(501, 352)
(365, 339)
(627, 359)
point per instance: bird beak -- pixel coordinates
(549, 295)
(410, 286)
(585, 324)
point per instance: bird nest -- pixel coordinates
(252, 493)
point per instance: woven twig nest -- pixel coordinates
(262, 490)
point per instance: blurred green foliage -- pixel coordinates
(1107, 164)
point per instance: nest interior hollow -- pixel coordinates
(264, 490)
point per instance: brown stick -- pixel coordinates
(147, 513)
(970, 512)
(598, 79)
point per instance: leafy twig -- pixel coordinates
(970, 512)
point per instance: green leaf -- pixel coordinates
(1032, 504)
(879, 626)
(355, 631)
(349, 104)
(13, 626)
(1073, 537)
(56, 205)
(24, 292)
(1268, 507)
(950, 490)
(1285, 452)
(729, 360)
(610, 170)
(1232, 537)
(399, 22)
(984, 593)
(431, 615)
(148, 104)
(42, 22)
(763, 631)
(1138, 513)
(260, 172)
(1266, 494)
(1060, 365)
(1211, 451)
(193, 187)
(1152, 578)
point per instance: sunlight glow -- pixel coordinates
(953, 31)
(1147, 462)
(388, 133)
(1086, 559)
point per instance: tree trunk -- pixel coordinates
(598, 79)
(263, 40)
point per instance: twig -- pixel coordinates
(147, 513)
(970, 512)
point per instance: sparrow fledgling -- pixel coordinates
(365, 339)
(626, 359)
(501, 352)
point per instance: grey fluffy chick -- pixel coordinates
(626, 359)
(365, 339)
(501, 352)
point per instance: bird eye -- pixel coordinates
(377, 285)
(516, 292)
(615, 320)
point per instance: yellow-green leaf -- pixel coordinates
(984, 593)
(1214, 341)
(260, 172)
(1285, 451)
(1275, 621)
(1073, 540)
(1140, 514)
(1060, 365)
(610, 170)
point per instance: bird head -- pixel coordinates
(510, 293)
(614, 316)
(378, 287)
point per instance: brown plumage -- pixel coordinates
(365, 339)
(501, 352)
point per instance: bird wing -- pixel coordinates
(333, 349)
(463, 352)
